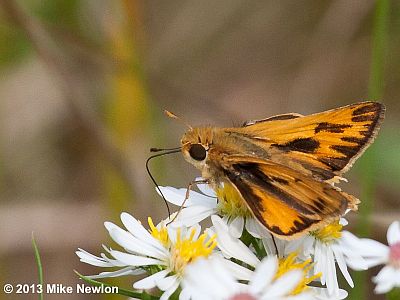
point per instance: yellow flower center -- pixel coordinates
(329, 233)
(231, 203)
(183, 250)
(186, 251)
(160, 234)
(289, 263)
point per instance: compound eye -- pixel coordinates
(197, 152)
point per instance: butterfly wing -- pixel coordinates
(286, 202)
(323, 145)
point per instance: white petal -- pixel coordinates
(177, 196)
(386, 274)
(302, 245)
(174, 195)
(103, 261)
(210, 276)
(331, 279)
(192, 215)
(280, 244)
(169, 291)
(150, 281)
(199, 294)
(369, 262)
(84, 254)
(205, 188)
(264, 274)
(197, 230)
(185, 294)
(269, 245)
(236, 227)
(342, 265)
(308, 245)
(364, 247)
(110, 225)
(373, 248)
(137, 230)
(385, 280)
(237, 271)
(118, 273)
(263, 232)
(135, 260)
(98, 263)
(397, 277)
(253, 227)
(319, 263)
(134, 226)
(357, 264)
(285, 284)
(352, 257)
(210, 231)
(173, 232)
(123, 237)
(393, 233)
(225, 270)
(166, 283)
(91, 259)
(322, 294)
(383, 287)
(231, 246)
(133, 244)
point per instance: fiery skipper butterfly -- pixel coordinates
(283, 167)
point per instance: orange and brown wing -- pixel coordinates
(323, 145)
(286, 202)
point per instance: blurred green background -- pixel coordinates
(84, 85)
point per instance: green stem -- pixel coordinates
(379, 45)
(248, 240)
(246, 237)
(39, 264)
(123, 292)
(260, 251)
(368, 164)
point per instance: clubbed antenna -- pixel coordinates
(173, 116)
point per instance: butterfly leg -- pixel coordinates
(276, 247)
(188, 189)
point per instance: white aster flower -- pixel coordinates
(327, 248)
(225, 202)
(163, 251)
(233, 248)
(209, 279)
(376, 253)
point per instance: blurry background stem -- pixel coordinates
(369, 162)
(57, 63)
(127, 110)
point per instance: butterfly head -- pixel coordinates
(195, 145)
